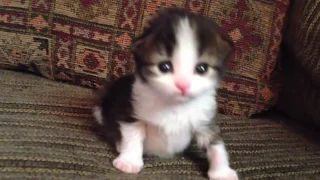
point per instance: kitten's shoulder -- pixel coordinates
(123, 85)
(113, 104)
(115, 89)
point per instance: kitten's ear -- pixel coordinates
(137, 49)
(141, 45)
(141, 48)
(225, 49)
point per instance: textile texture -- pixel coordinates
(300, 96)
(302, 37)
(46, 131)
(88, 41)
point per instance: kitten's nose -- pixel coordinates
(182, 84)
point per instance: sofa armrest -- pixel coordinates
(302, 36)
(300, 94)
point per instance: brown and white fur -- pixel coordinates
(180, 59)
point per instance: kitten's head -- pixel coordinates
(181, 55)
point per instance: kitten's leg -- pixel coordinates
(131, 148)
(219, 168)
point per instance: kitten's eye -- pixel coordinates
(165, 67)
(202, 68)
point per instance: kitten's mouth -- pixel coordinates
(183, 97)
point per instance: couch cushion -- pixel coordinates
(86, 42)
(46, 131)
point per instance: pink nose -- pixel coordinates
(182, 84)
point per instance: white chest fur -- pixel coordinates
(169, 127)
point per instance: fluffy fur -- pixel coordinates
(180, 59)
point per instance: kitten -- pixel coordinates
(180, 59)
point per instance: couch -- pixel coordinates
(47, 129)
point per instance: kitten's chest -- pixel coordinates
(164, 144)
(169, 129)
(175, 118)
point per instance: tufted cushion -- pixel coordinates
(85, 42)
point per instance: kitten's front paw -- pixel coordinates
(127, 164)
(223, 174)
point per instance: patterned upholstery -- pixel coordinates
(84, 42)
(300, 97)
(46, 133)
